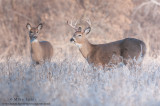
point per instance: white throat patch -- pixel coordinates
(34, 40)
(78, 45)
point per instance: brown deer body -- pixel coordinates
(40, 50)
(114, 52)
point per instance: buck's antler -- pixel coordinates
(71, 24)
(88, 21)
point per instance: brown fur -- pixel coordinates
(40, 50)
(114, 52)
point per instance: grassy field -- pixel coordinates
(68, 79)
(72, 82)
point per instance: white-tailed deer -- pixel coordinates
(40, 50)
(103, 54)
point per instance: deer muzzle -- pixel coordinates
(72, 40)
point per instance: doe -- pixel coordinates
(41, 51)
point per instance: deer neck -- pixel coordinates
(35, 46)
(86, 48)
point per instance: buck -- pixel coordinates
(109, 53)
(41, 51)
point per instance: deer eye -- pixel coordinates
(79, 35)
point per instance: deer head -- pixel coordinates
(33, 31)
(79, 36)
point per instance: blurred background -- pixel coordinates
(111, 20)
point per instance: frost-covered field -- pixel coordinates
(75, 83)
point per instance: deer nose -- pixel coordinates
(35, 37)
(71, 40)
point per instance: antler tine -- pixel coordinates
(76, 23)
(88, 21)
(71, 24)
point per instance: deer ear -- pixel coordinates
(28, 26)
(40, 26)
(87, 30)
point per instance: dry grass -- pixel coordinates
(111, 20)
(68, 80)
